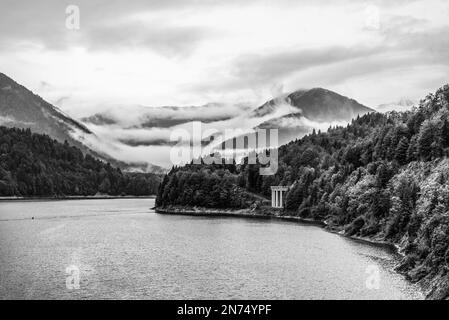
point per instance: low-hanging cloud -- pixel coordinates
(141, 116)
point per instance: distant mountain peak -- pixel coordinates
(317, 104)
(403, 104)
(406, 102)
(19, 103)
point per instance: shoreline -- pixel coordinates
(393, 248)
(105, 197)
(241, 213)
(247, 213)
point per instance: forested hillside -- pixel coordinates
(36, 165)
(383, 177)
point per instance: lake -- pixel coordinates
(121, 249)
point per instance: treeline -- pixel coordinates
(217, 186)
(384, 176)
(36, 165)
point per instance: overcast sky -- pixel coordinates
(190, 52)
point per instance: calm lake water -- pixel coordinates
(124, 250)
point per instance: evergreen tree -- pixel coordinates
(401, 150)
(412, 151)
(425, 140)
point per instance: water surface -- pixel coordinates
(124, 250)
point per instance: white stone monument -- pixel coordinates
(277, 196)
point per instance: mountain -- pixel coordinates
(35, 165)
(21, 108)
(294, 115)
(316, 104)
(302, 111)
(134, 137)
(145, 133)
(404, 104)
(382, 178)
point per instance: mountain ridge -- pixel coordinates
(317, 104)
(21, 108)
(16, 101)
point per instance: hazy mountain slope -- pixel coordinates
(21, 108)
(133, 137)
(403, 104)
(317, 104)
(299, 112)
(309, 109)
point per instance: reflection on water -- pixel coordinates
(124, 250)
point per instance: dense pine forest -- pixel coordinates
(383, 177)
(34, 165)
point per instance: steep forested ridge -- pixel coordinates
(383, 177)
(36, 165)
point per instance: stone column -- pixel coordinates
(280, 200)
(272, 198)
(276, 199)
